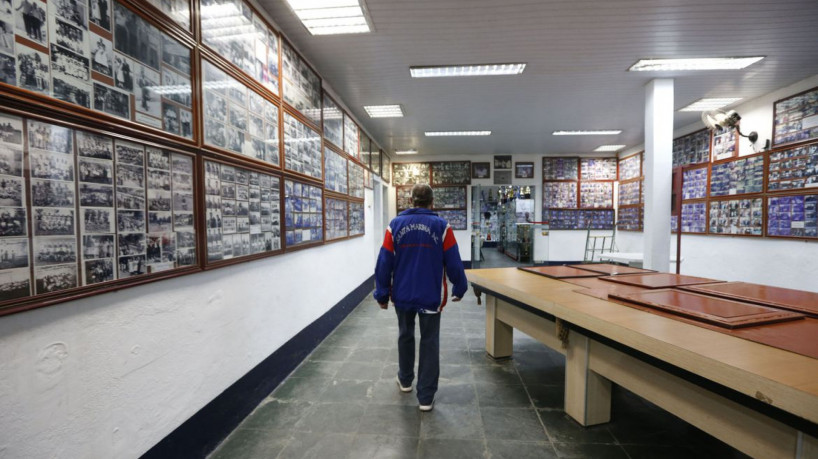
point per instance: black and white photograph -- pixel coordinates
(55, 278)
(55, 250)
(54, 166)
(158, 158)
(132, 266)
(53, 222)
(6, 36)
(102, 55)
(214, 133)
(8, 71)
(480, 170)
(94, 146)
(158, 180)
(136, 37)
(13, 253)
(183, 202)
(524, 170)
(49, 137)
(182, 164)
(49, 193)
(159, 200)
(175, 54)
(101, 13)
(176, 87)
(159, 222)
(502, 162)
(502, 177)
(97, 271)
(130, 221)
(147, 99)
(11, 192)
(98, 246)
(11, 161)
(182, 220)
(185, 239)
(68, 36)
(182, 182)
(130, 198)
(131, 244)
(111, 101)
(235, 139)
(15, 284)
(13, 221)
(97, 221)
(185, 256)
(70, 90)
(154, 249)
(215, 106)
(170, 118)
(130, 153)
(124, 72)
(96, 171)
(186, 123)
(30, 17)
(70, 10)
(94, 195)
(178, 10)
(11, 130)
(33, 69)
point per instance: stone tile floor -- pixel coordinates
(342, 402)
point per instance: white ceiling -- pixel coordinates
(577, 52)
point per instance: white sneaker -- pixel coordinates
(428, 407)
(402, 387)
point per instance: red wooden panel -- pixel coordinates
(659, 280)
(611, 269)
(559, 272)
(785, 298)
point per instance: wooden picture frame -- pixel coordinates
(502, 177)
(524, 170)
(502, 162)
(481, 170)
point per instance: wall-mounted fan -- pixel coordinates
(714, 119)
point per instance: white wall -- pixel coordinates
(112, 375)
(782, 263)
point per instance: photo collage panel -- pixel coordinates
(596, 195)
(597, 169)
(692, 149)
(741, 176)
(630, 193)
(403, 198)
(337, 225)
(303, 210)
(793, 216)
(351, 145)
(356, 180)
(335, 172)
(694, 183)
(559, 195)
(630, 218)
(357, 219)
(573, 219)
(456, 218)
(302, 148)
(302, 86)
(793, 169)
(796, 118)
(725, 143)
(238, 119)
(15, 264)
(451, 173)
(411, 173)
(253, 50)
(243, 212)
(333, 122)
(178, 10)
(694, 217)
(737, 216)
(560, 168)
(449, 197)
(630, 167)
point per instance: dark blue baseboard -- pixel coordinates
(200, 434)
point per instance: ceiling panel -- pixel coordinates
(577, 54)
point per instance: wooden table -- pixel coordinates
(763, 401)
(634, 259)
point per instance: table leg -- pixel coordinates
(499, 336)
(587, 394)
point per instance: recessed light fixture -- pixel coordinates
(704, 63)
(466, 70)
(455, 133)
(384, 111)
(703, 105)
(332, 17)
(597, 132)
(610, 147)
(406, 152)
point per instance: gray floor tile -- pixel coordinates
(306, 445)
(332, 418)
(563, 429)
(371, 354)
(588, 450)
(386, 392)
(501, 395)
(455, 357)
(496, 374)
(248, 443)
(360, 371)
(548, 397)
(383, 447)
(512, 424)
(456, 394)
(452, 421)
(306, 389)
(455, 374)
(319, 368)
(276, 417)
(391, 420)
(331, 353)
(664, 452)
(347, 391)
(506, 449)
(452, 449)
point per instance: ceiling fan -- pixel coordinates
(715, 119)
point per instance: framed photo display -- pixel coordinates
(356, 180)
(560, 168)
(630, 193)
(451, 173)
(524, 170)
(366, 152)
(793, 168)
(238, 119)
(480, 170)
(335, 171)
(177, 10)
(795, 118)
(630, 167)
(740, 176)
(630, 218)
(411, 173)
(694, 183)
(691, 149)
(793, 216)
(254, 50)
(560, 195)
(502, 162)
(694, 217)
(737, 217)
(386, 169)
(302, 148)
(337, 218)
(302, 86)
(303, 213)
(449, 197)
(351, 144)
(596, 195)
(333, 122)
(502, 177)
(243, 212)
(456, 218)
(725, 144)
(357, 219)
(597, 168)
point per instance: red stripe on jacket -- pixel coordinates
(388, 244)
(449, 240)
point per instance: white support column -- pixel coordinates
(658, 170)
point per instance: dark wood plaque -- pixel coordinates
(611, 269)
(559, 272)
(659, 280)
(719, 311)
(784, 298)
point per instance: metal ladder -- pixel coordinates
(597, 245)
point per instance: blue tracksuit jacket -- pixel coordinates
(418, 246)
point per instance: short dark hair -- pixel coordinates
(422, 195)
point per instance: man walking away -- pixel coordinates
(416, 250)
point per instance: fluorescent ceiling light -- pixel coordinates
(384, 111)
(455, 133)
(467, 70)
(610, 147)
(331, 17)
(597, 132)
(702, 105)
(406, 152)
(706, 63)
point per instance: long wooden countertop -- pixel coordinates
(783, 379)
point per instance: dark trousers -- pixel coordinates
(429, 362)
